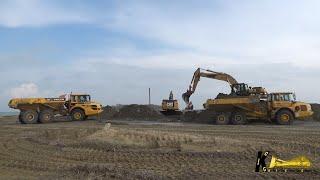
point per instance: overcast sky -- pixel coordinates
(116, 50)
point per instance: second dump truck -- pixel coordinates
(248, 103)
(43, 110)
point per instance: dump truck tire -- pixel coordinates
(284, 117)
(29, 117)
(46, 116)
(20, 117)
(77, 115)
(239, 118)
(223, 119)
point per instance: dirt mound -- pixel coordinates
(316, 110)
(109, 112)
(133, 112)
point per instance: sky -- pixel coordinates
(116, 50)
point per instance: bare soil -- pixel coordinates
(151, 150)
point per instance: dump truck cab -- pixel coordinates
(284, 107)
(80, 106)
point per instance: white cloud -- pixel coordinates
(274, 44)
(177, 60)
(35, 13)
(246, 31)
(25, 90)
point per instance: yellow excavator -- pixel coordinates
(170, 106)
(247, 103)
(237, 89)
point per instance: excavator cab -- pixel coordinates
(240, 89)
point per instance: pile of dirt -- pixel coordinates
(316, 110)
(133, 112)
(109, 112)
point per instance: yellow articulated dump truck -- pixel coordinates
(248, 103)
(43, 110)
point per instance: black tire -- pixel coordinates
(20, 117)
(223, 119)
(284, 117)
(77, 115)
(46, 116)
(29, 117)
(239, 118)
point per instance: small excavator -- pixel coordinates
(170, 106)
(247, 103)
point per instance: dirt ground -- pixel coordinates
(151, 150)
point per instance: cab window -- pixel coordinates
(286, 97)
(84, 98)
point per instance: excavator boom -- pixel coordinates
(208, 74)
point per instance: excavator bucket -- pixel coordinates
(186, 97)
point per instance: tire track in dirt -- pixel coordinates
(225, 152)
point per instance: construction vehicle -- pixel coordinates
(170, 106)
(246, 103)
(43, 110)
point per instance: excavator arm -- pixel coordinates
(208, 74)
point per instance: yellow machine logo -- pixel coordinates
(300, 163)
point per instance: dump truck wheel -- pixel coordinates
(284, 117)
(46, 116)
(239, 118)
(29, 117)
(77, 115)
(20, 117)
(223, 119)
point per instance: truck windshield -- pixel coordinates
(282, 97)
(80, 98)
(84, 98)
(292, 97)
